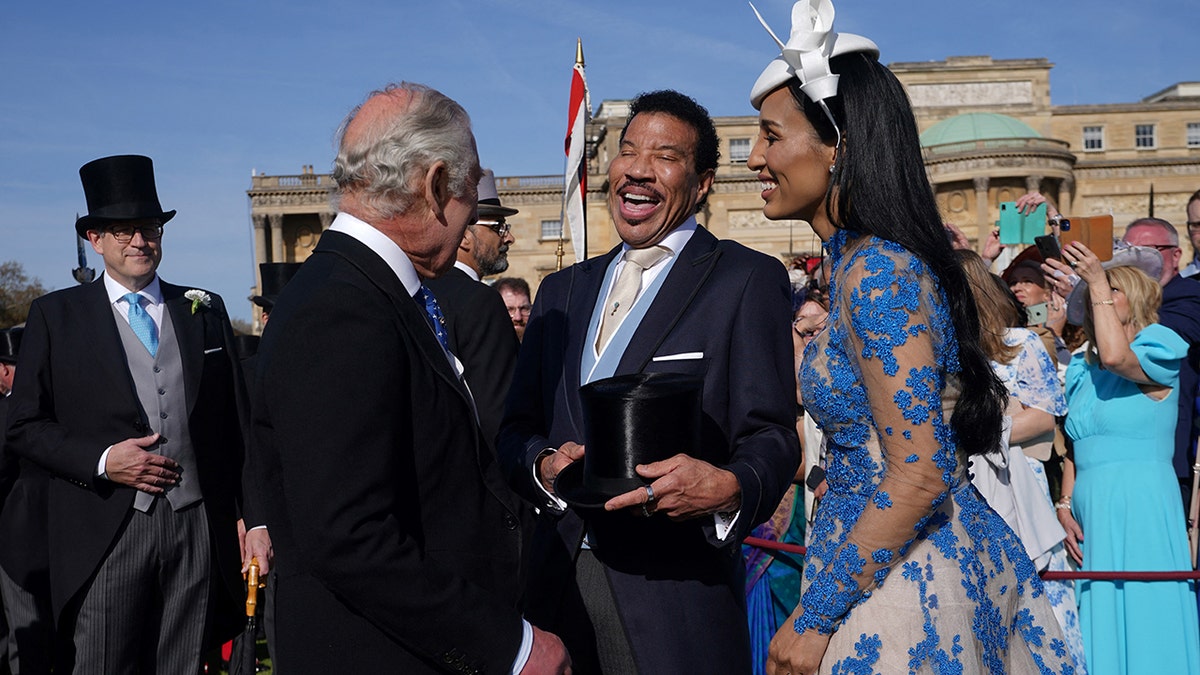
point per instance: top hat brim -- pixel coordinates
(569, 487)
(94, 221)
(266, 302)
(496, 211)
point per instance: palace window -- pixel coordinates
(1143, 136)
(739, 150)
(1093, 138)
(1193, 134)
(551, 228)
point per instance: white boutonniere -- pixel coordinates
(198, 297)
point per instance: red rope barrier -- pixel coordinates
(1182, 575)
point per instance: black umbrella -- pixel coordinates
(242, 659)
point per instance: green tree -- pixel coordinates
(17, 291)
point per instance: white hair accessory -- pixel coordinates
(807, 52)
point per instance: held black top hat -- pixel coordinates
(489, 198)
(10, 344)
(630, 420)
(274, 277)
(119, 188)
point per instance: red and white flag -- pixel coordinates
(575, 187)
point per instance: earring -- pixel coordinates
(831, 167)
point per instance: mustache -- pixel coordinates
(643, 185)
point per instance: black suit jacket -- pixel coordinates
(395, 537)
(679, 590)
(1180, 311)
(23, 530)
(73, 397)
(482, 336)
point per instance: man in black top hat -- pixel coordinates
(659, 585)
(24, 569)
(130, 395)
(477, 322)
(274, 277)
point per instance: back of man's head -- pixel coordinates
(386, 144)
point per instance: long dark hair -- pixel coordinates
(880, 151)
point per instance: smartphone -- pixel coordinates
(1021, 228)
(815, 476)
(1047, 245)
(1037, 315)
(1095, 232)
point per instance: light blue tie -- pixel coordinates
(141, 323)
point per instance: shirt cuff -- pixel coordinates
(725, 522)
(100, 467)
(537, 480)
(526, 647)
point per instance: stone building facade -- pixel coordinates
(990, 133)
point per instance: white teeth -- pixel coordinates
(769, 185)
(638, 198)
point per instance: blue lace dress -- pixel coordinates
(882, 381)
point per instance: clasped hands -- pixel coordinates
(682, 487)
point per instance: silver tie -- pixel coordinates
(625, 291)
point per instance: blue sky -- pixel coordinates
(213, 90)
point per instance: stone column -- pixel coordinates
(1033, 183)
(276, 237)
(260, 242)
(983, 226)
(326, 219)
(1065, 189)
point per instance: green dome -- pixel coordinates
(971, 127)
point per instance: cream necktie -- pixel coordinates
(625, 291)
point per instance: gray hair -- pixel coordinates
(1167, 228)
(382, 164)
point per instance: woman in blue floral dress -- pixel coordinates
(908, 569)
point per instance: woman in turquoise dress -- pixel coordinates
(908, 570)
(1121, 507)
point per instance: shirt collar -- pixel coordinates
(467, 268)
(382, 245)
(152, 291)
(676, 239)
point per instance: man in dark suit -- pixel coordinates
(395, 537)
(24, 567)
(1180, 311)
(657, 586)
(477, 322)
(129, 395)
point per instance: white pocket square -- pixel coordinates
(214, 350)
(683, 356)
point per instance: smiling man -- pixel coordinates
(658, 585)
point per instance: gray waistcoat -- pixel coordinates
(160, 390)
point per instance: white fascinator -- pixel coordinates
(805, 56)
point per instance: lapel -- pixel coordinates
(412, 317)
(98, 331)
(189, 333)
(583, 292)
(678, 292)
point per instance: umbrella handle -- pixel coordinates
(252, 588)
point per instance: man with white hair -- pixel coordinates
(397, 543)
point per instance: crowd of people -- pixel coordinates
(436, 475)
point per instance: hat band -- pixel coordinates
(127, 211)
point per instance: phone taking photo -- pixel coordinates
(1038, 314)
(1047, 245)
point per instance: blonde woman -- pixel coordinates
(1120, 504)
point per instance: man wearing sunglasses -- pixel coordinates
(130, 396)
(477, 321)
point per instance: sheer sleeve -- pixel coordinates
(1037, 377)
(900, 342)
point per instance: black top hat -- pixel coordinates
(10, 344)
(630, 420)
(245, 346)
(119, 188)
(274, 277)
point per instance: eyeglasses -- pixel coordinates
(1161, 247)
(1193, 224)
(124, 233)
(500, 227)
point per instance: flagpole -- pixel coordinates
(574, 204)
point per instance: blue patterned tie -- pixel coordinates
(141, 323)
(425, 296)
